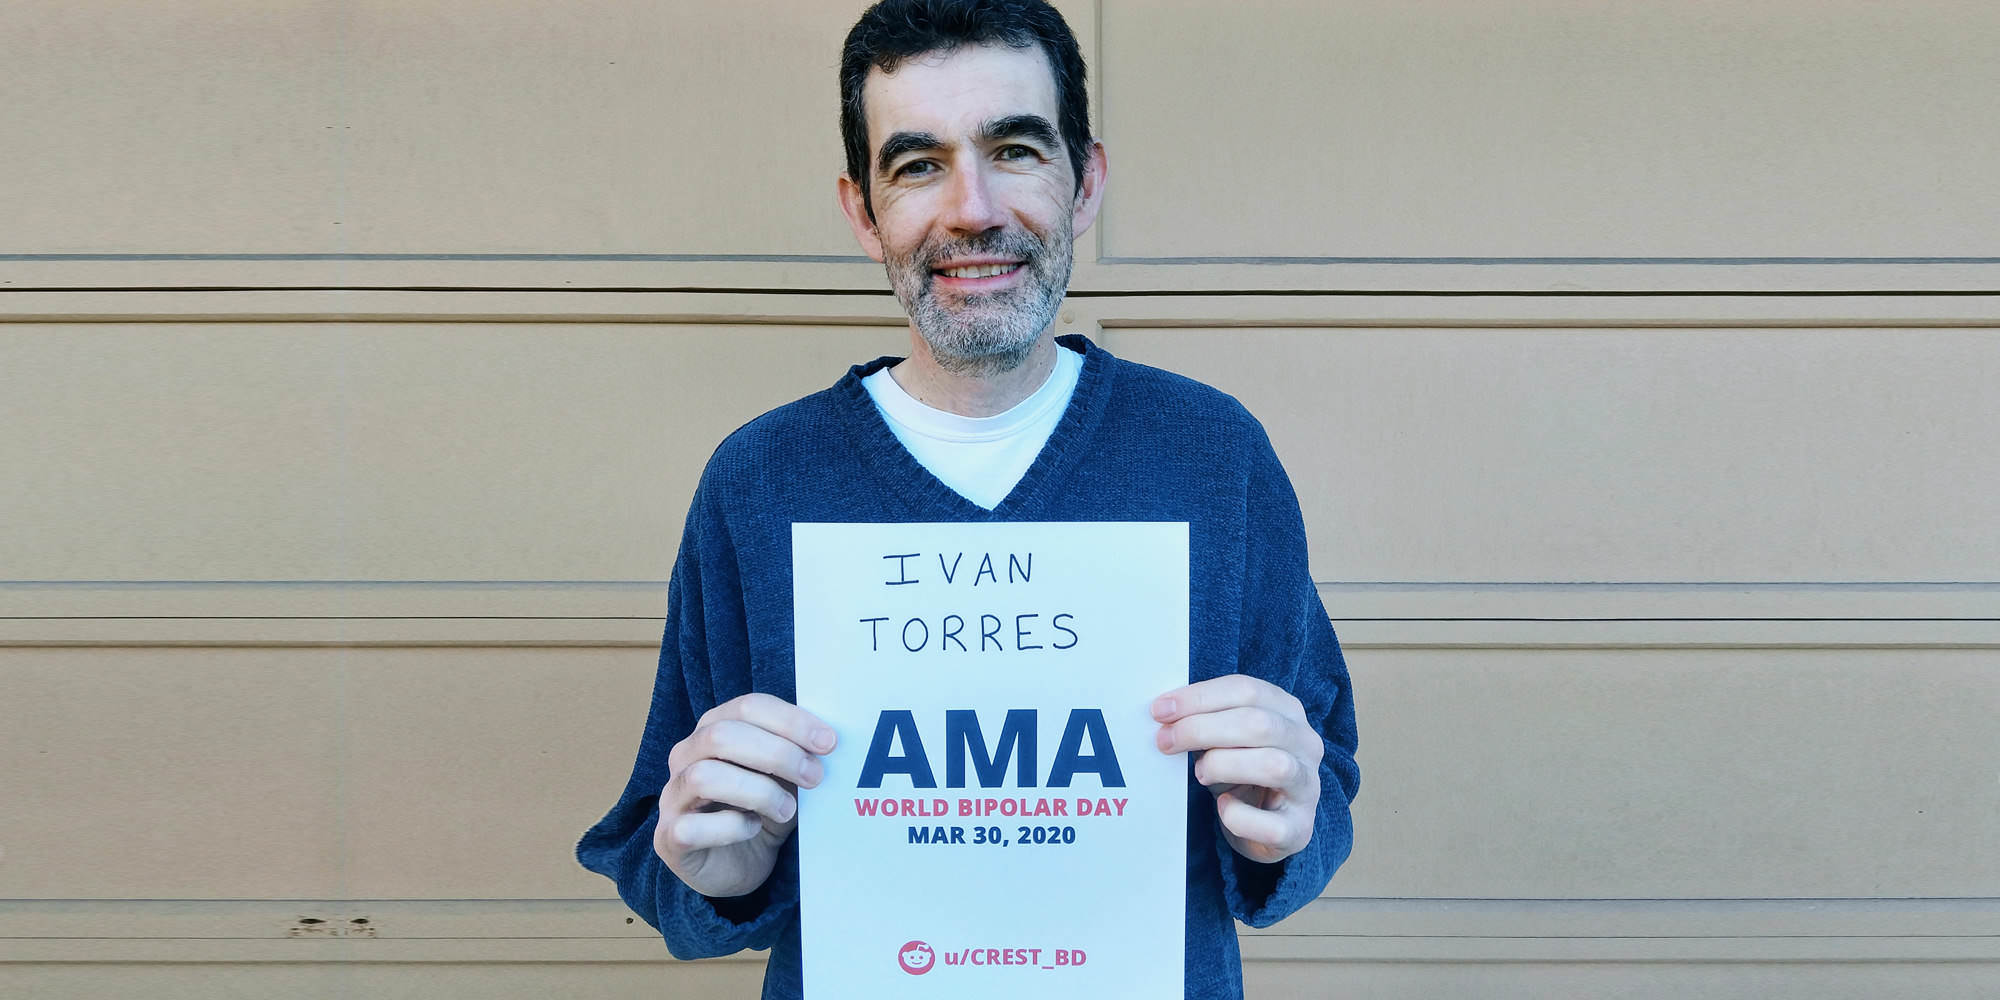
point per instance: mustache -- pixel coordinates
(1007, 243)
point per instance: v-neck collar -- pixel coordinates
(893, 462)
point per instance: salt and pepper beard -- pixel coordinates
(969, 341)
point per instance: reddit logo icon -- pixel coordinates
(915, 958)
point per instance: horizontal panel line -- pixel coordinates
(1077, 293)
(1522, 645)
(1453, 619)
(1538, 261)
(1596, 937)
(566, 289)
(1995, 901)
(690, 258)
(1676, 961)
(344, 938)
(1321, 900)
(1519, 646)
(1342, 584)
(561, 645)
(1112, 260)
(1429, 324)
(333, 583)
(1509, 293)
(662, 620)
(131, 955)
(444, 618)
(1659, 584)
(1301, 937)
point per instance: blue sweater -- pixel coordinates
(1136, 444)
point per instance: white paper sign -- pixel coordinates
(996, 820)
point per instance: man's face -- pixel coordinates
(975, 203)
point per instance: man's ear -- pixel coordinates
(1092, 194)
(855, 206)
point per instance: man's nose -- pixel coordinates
(972, 207)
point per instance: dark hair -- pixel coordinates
(895, 30)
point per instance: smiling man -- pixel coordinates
(970, 169)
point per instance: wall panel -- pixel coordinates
(1549, 129)
(1535, 980)
(485, 765)
(1539, 146)
(1692, 454)
(1675, 774)
(1817, 455)
(382, 142)
(494, 980)
(330, 451)
(468, 771)
(424, 127)
(170, 773)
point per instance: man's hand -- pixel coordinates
(1255, 753)
(732, 798)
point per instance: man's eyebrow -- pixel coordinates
(1019, 127)
(902, 143)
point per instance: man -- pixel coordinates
(970, 167)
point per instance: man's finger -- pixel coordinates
(723, 783)
(1221, 693)
(699, 831)
(1233, 727)
(1263, 827)
(775, 715)
(1264, 767)
(753, 749)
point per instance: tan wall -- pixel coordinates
(357, 361)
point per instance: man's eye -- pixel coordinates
(1017, 152)
(915, 168)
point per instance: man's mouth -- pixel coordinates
(978, 270)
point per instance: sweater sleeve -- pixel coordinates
(1288, 640)
(704, 659)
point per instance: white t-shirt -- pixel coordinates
(979, 457)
